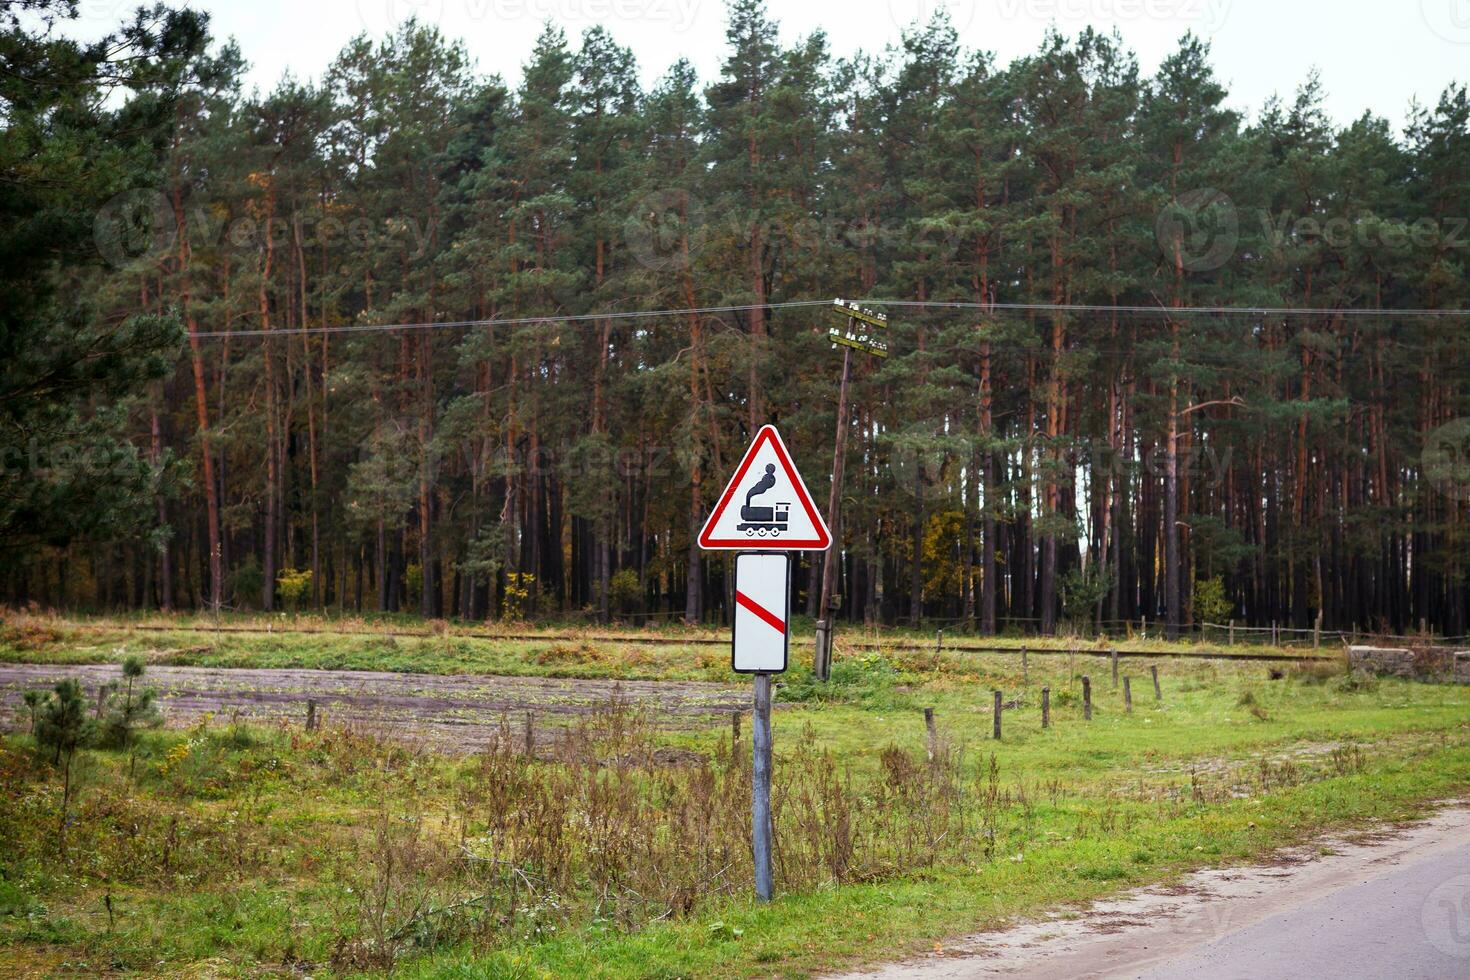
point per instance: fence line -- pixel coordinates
(876, 645)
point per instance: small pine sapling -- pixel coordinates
(130, 710)
(33, 701)
(64, 727)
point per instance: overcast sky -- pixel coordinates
(1372, 54)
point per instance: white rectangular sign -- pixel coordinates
(762, 613)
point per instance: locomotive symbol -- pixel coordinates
(764, 520)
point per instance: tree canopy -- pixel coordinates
(371, 326)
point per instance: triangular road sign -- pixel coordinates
(765, 507)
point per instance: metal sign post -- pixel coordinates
(760, 640)
(760, 787)
(765, 513)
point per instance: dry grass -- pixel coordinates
(610, 827)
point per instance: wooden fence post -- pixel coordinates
(1127, 694)
(1025, 667)
(735, 734)
(996, 728)
(933, 732)
(311, 714)
(1231, 633)
(1046, 707)
(530, 733)
(1086, 698)
(1158, 691)
(1115, 668)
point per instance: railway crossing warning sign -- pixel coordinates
(766, 506)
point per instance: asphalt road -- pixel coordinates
(1411, 922)
(1392, 904)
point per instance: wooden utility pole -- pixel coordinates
(850, 339)
(822, 656)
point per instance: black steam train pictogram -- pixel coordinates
(764, 520)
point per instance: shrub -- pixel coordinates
(1082, 590)
(519, 587)
(1319, 672)
(870, 680)
(568, 654)
(413, 583)
(623, 590)
(293, 585)
(246, 582)
(1211, 605)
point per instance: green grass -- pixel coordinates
(802, 934)
(391, 644)
(366, 651)
(262, 828)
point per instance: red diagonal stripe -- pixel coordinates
(765, 615)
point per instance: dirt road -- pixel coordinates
(1395, 904)
(457, 712)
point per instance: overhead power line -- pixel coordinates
(1172, 310)
(523, 321)
(1092, 309)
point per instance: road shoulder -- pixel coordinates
(1134, 932)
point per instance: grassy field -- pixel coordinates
(622, 850)
(672, 653)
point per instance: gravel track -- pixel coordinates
(459, 712)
